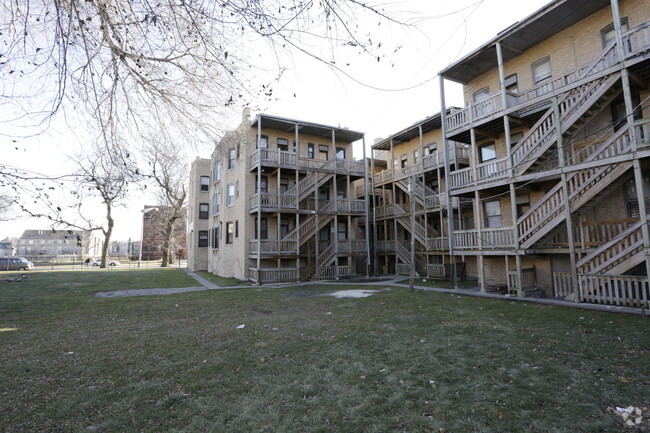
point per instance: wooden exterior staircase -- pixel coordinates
(583, 185)
(616, 256)
(588, 98)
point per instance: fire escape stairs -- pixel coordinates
(617, 256)
(588, 98)
(583, 186)
(404, 255)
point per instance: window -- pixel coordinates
(264, 228)
(216, 172)
(323, 151)
(216, 201)
(284, 184)
(340, 153)
(203, 238)
(492, 213)
(310, 150)
(295, 146)
(514, 138)
(430, 149)
(416, 156)
(523, 204)
(284, 227)
(231, 158)
(264, 142)
(324, 234)
(342, 231)
(541, 69)
(205, 183)
(231, 194)
(265, 185)
(324, 193)
(230, 231)
(511, 84)
(488, 152)
(608, 34)
(404, 161)
(203, 211)
(236, 228)
(215, 238)
(283, 144)
(482, 94)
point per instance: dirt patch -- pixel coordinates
(362, 293)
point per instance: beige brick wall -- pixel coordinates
(569, 49)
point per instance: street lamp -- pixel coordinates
(144, 211)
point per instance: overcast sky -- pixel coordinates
(381, 98)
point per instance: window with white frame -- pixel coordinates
(492, 211)
(608, 34)
(541, 69)
(232, 153)
(216, 202)
(488, 152)
(230, 232)
(482, 94)
(416, 156)
(283, 144)
(203, 211)
(231, 194)
(214, 238)
(263, 142)
(205, 183)
(216, 171)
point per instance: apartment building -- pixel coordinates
(411, 208)
(283, 203)
(557, 170)
(154, 227)
(54, 242)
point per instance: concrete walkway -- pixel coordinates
(391, 280)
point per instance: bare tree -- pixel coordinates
(6, 203)
(170, 173)
(104, 178)
(127, 64)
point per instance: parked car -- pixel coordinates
(15, 264)
(98, 262)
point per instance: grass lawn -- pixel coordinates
(398, 361)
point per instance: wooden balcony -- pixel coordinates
(273, 275)
(285, 159)
(273, 247)
(488, 239)
(272, 202)
(352, 246)
(635, 42)
(494, 169)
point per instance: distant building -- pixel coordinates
(154, 221)
(53, 242)
(122, 248)
(6, 249)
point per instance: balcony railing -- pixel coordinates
(487, 171)
(635, 41)
(273, 275)
(352, 246)
(385, 246)
(273, 247)
(286, 159)
(272, 201)
(489, 238)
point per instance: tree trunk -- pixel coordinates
(169, 233)
(107, 237)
